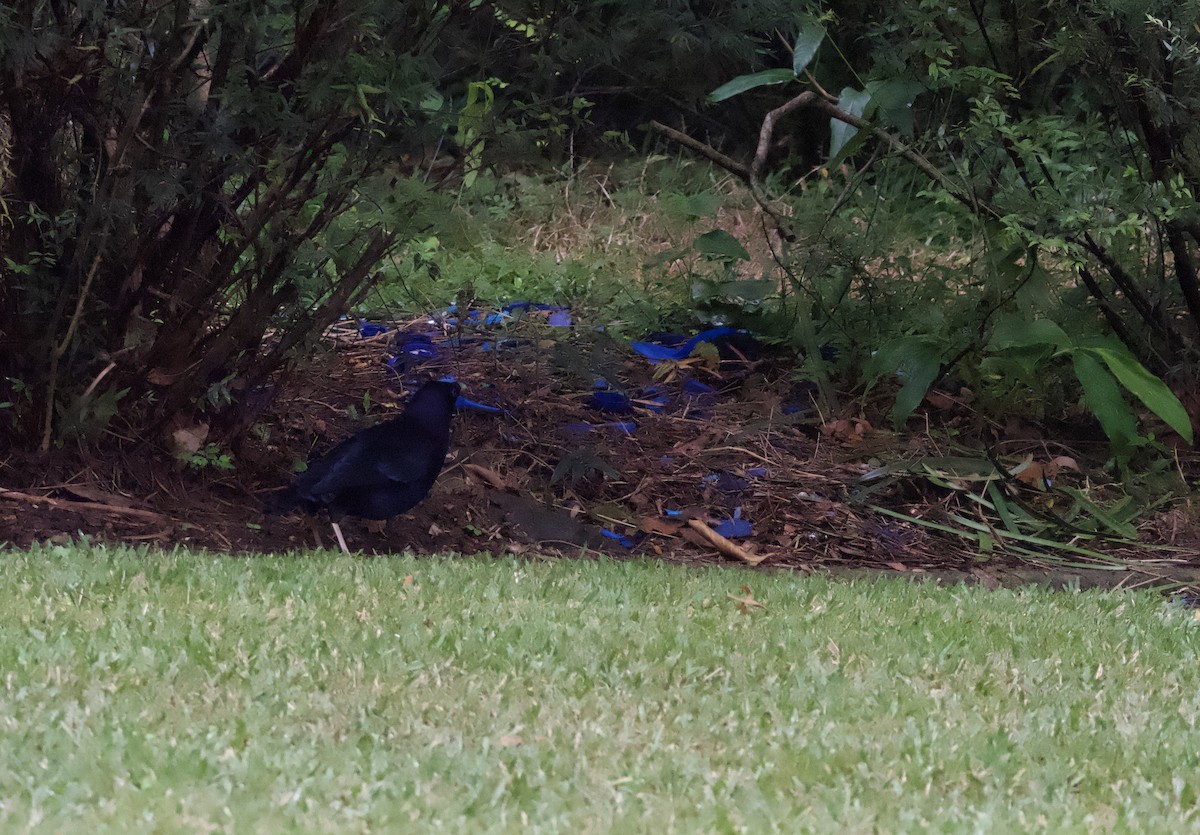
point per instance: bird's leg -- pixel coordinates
(316, 532)
(337, 531)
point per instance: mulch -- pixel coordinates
(548, 474)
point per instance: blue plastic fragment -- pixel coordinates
(525, 307)
(735, 528)
(613, 402)
(697, 394)
(497, 344)
(368, 329)
(756, 472)
(560, 319)
(473, 315)
(673, 340)
(462, 404)
(415, 349)
(623, 540)
(655, 352)
(419, 345)
(655, 398)
(730, 483)
(725, 482)
(668, 512)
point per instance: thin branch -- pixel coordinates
(61, 348)
(731, 165)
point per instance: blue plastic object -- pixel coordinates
(698, 395)
(622, 540)
(655, 352)
(497, 344)
(368, 329)
(655, 398)
(462, 404)
(415, 349)
(735, 528)
(612, 402)
(474, 315)
(525, 307)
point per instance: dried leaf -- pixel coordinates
(847, 430)
(1065, 462)
(939, 400)
(747, 603)
(653, 524)
(1034, 474)
(160, 377)
(188, 440)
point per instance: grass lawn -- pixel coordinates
(147, 692)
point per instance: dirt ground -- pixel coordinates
(547, 473)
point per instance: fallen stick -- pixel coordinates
(79, 507)
(490, 476)
(725, 546)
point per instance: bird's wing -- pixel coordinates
(374, 459)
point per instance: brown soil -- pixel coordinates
(520, 481)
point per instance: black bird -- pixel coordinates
(381, 471)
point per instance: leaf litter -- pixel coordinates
(540, 464)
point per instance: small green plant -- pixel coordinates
(88, 415)
(19, 393)
(1034, 348)
(210, 456)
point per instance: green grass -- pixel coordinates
(145, 692)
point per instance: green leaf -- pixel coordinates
(704, 204)
(853, 102)
(721, 245)
(1147, 388)
(751, 289)
(1110, 518)
(916, 361)
(892, 101)
(1018, 332)
(743, 83)
(811, 36)
(1103, 397)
